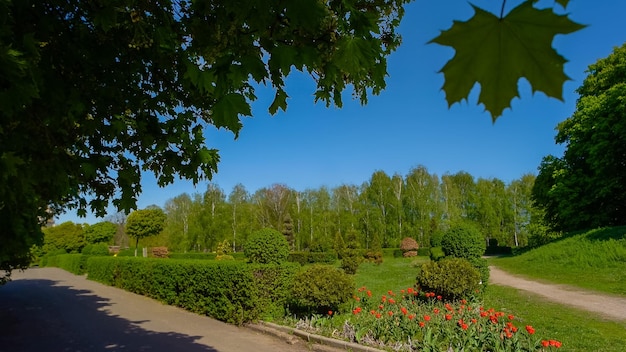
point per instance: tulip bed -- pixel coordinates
(411, 320)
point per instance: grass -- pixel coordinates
(594, 260)
(394, 274)
(578, 330)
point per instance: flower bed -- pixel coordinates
(411, 320)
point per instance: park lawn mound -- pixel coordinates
(594, 260)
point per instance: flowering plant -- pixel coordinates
(412, 320)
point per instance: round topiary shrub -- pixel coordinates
(452, 278)
(320, 288)
(409, 247)
(463, 241)
(267, 246)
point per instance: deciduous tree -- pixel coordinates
(145, 223)
(101, 232)
(587, 186)
(109, 90)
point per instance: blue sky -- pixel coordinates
(408, 124)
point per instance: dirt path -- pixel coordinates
(49, 309)
(611, 307)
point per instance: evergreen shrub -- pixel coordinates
(436, 253)
(266, 246)
(452, 278)
(483, 269)
(423, 252)
(463, 241)
(320, 288)
(96, 249)
(304, 258)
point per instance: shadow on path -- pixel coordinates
(44, 315)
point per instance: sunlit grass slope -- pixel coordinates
(594, 260)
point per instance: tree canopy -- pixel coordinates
(145, 223)
(586, 187)
(93, 93)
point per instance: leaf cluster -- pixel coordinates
(267, 246)
(92, 94)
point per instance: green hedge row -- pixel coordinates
(397, 252)
(231, 291)
(203, 256)
(74, 263)
(303, 258)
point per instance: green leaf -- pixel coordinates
(562, 2)
(226, 111)
(496, 53)
(280, 102)
(355, 54)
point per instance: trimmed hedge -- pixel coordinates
(74, 263)
(204, 256)
(303, 258)
(231, 291)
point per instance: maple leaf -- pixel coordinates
(496, 52)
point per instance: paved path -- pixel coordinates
(49, 309)
(611, 307)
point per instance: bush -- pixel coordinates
(452, 278)
(304, 258)
(159, 252)
(350, 263)
(408, 244)
(96, 249)
(436, 253)
(483, 269)
(320, 288)
(435, 239)
(352, 256)
(392, 252)
(267, 246)
(274, 284)
(463, 241)
(373, 256)
(423, 252)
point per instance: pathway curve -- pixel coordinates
(611, 307)
(48, 309)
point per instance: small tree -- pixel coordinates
(145, 223)
(288, 231)
(351, 257)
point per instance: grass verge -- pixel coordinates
(578, 330)
(594, 260)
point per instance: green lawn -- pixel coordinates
(394, 274)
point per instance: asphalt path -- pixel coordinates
(48, 309)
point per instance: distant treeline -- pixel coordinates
(418, 205)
